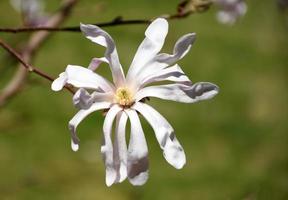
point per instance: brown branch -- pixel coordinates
(16, 55)
(28, 67)
(74, 28)
(118, 21)
(36, 40)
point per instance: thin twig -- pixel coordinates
(36, 40)
(16, 55)
(29, 67)
(71, 29)
(118, 21)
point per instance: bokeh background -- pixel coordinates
(236, 144)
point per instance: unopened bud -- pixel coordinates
(192, 6)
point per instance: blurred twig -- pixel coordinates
(21, 60)
(34, 43)
(27, 66)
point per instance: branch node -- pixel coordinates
(30, 69)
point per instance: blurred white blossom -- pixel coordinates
(32, 11)
(230, 10)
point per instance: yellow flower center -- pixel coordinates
(124, 97)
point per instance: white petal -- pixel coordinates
(59, 82)
(120, 147)
(95, 62)
(151, 45)
(179, 92)
(85, 78)
(161, 61)
(74, 122)
(99, 36)
(172, 150)
(83, 100)
(173, 73)
(137, 152)
(74, 146)
(181, 48)
(107, 147)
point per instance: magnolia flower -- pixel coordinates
(230, 10)
(124, 99)
(32, 10)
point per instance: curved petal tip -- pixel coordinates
(123, 172)
(94, 33)
(157, 29)
(110, 176)
(74, 146)
(59, 82)
(140, 179)
(206, 89)
(174, 154)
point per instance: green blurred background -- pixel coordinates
(236, 144)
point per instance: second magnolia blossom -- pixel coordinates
(32, 11)
(124, 99)
(230, 10)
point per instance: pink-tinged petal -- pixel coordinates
(181, 48)
(163, 60)
(137, 152)
(107, 146)
(151, 45)
(75, 121)
(179, 92)
(99, 36)
(173, 73)
(83, 100)
(120, 148)
(172, 150)
(85, 78)
(59, 82)
(95, 62)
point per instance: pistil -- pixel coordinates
(124, 97)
